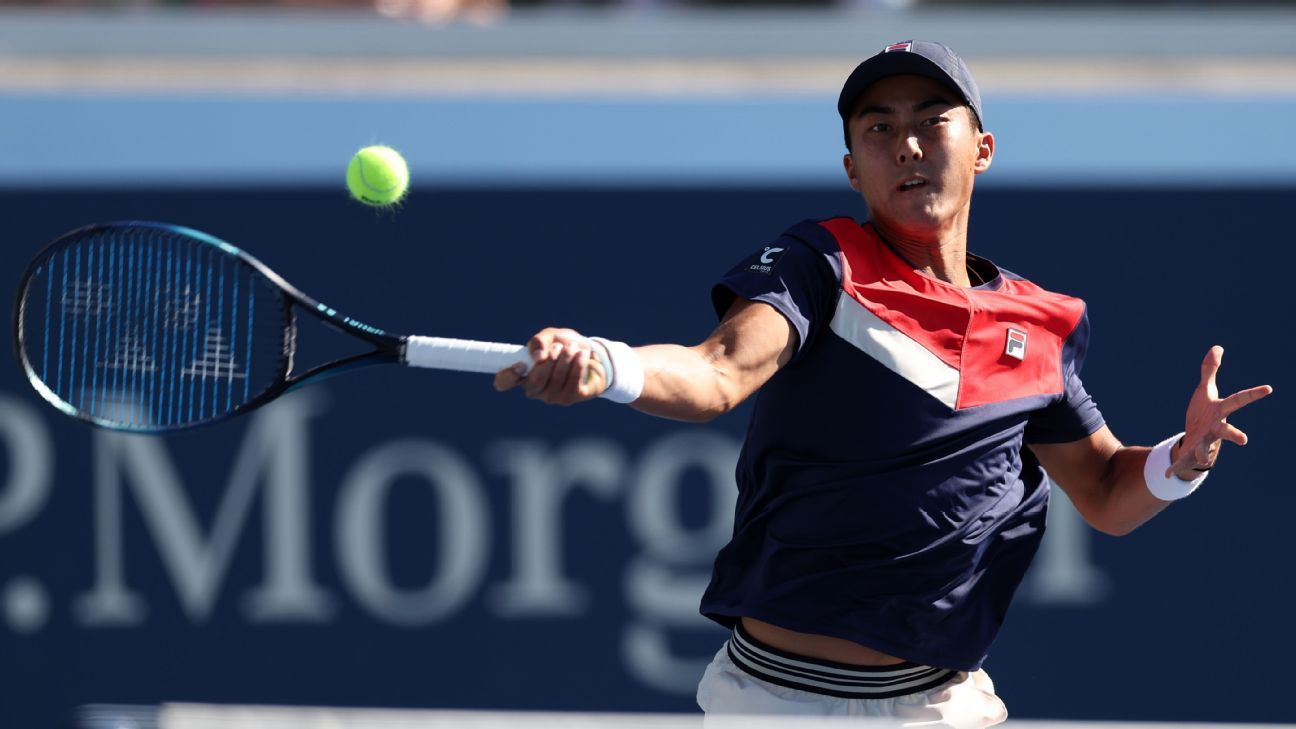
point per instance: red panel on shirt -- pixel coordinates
(965, 328)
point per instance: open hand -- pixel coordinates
(1206, 425)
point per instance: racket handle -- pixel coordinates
(463, 355)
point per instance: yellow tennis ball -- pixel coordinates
(378, 176)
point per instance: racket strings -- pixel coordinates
(148, 328)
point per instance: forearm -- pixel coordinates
(1104, 480)
(686, 383)
(698, 383)
(667, 380)
(1122, 502)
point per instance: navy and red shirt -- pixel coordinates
(885, 495)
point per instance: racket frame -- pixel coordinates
(388, 347)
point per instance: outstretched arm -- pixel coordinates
(1106, 480)
(683, 383)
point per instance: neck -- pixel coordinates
(942, 256)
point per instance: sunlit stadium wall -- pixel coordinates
(414, 539)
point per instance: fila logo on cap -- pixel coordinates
(1016, 346)
(901, 46)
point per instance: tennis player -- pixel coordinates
(911, 396)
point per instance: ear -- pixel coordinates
(849, 164)
(985, 152)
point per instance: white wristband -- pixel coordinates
(626, 375)
(1171, 488)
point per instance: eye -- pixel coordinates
(878, 127)
(933, 121)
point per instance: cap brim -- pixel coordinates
(892, 64)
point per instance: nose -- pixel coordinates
(909, 150)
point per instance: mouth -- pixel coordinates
(913, 183)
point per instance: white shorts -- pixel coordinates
(964, 701)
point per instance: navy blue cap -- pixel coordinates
(924, 58)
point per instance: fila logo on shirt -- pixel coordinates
(1016, 345)
(767, 260)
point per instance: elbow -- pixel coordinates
(1100, 515)
(1112, 524)
(1114, 529)
(1100, 523)
(1126, 525)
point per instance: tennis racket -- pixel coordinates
(152, 328)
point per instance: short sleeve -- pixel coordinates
(790, 275)
(1074, 415)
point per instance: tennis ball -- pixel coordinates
(378, 176)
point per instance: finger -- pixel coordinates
(570, 338)
(594, 379)
(539, 344)
(1210, 366)
(1239, 400)
(577, 377)
(563, 355)
(1232, 434)
(510, 377)
(538, 380)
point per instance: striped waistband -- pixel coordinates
(831, 679)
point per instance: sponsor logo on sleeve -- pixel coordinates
(767, 260)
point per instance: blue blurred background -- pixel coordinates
(413, 539)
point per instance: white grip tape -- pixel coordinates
(463, 355)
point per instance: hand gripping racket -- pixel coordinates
(151, 328)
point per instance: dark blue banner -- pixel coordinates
(412, 538)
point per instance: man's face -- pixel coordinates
(915, 149)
